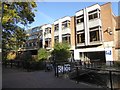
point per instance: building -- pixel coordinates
(92, 34)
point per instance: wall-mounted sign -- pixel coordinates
(108, 54)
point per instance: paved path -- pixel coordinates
(16, 78)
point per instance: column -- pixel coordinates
(60, 31)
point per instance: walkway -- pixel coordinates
(16, 78)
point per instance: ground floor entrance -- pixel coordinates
(93, 56)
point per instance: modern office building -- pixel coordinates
(92, 34)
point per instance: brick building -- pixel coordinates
(92, 34)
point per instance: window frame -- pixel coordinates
(97, 34)
(80, 39)
(80, 19)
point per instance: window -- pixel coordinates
(56, 39)
(80, 37)
(32, 37)
(56, 27)
(34, 43)
(48, 42)
(94, 14)
(27, 44)
(79, 19)
(30, 44)
(20, 46)
(66, 24)
(94, 34)
(66, 38)
(47, 30)
(34, 30)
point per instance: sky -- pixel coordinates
(48, 12)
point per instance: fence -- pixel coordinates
(84, 68)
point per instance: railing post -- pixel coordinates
(63, 68)
(110, 73)
(77, 74)
(57, 71)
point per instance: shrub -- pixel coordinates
(11, 55)
(117, 64)
(61, 52)
(42, 54)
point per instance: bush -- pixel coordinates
(117, 64)
(42, 54)
(11, 55)
(61, 52)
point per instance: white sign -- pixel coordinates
(108, 54)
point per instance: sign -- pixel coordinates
(108, 54)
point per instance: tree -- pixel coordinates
(11, 55)
(61, 52)
(15, 14)
(42, 54)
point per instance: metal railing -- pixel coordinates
(84, 68)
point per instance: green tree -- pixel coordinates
(14, 15)
(42, 54)
(61, 52)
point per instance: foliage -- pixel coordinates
(11, 55)
(14, 15)
(26, 56)
(117, 64)
(42, 54)
(61, 52)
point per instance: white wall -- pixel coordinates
(79, 27)
(66, 30)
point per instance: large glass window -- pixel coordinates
(80, 37)
(48, 30)
(56, 39)
(66, 24)
(94, 14)
(56, 27)
(48, 42)
(66, 38)
(36, 29)
(79, 19)
(94, 34)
